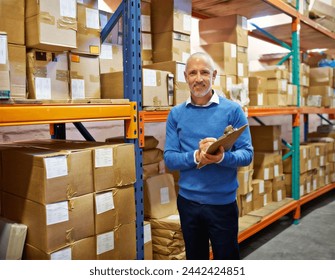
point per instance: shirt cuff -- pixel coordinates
(221, 159)
(195, 157)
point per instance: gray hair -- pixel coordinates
(203, 56)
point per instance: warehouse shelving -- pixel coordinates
(298, 36)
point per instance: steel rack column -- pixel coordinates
(58, 131)
(133, 91)
(83, 131)
(296, 117)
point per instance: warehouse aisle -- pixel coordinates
(312, 239)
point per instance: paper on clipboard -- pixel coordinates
(227, 140)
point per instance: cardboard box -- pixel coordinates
(266, 138)
(242, 62)
(224, 55)
(146, 46)
(146, 16)
(48, 75)
(157, 87)
(84, 76)
(159, 196)
(147, 240)
(17, 74)
(111, 245)
(181, 90)
(51, 26)
(88, 33)
(325, 92)
(114, 207)
(4, 67)
(47, 175)
(51, 226)
(83, 249)
(171, 15)
(231, 29)
(168, 46)
(244, 181)
(12, 20)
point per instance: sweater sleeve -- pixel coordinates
(174, 157)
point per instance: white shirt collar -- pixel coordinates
(214, 99)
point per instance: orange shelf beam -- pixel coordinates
(270, 111)
(316, 193)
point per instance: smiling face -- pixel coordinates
(199, 75)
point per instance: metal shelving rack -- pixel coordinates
(295, 35)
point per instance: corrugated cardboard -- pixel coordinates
(4, 67)
(48, 75)
(47, 175)
(52, 226)
(147, 240)
(111, 58)
(114, 207)
(159, 196)
(17, 74)
(266, 138)
(50, 26)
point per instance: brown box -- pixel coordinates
(48, 75)
(325, 92)
(17, 74)
(114, 207)
(246, 203)
(51, 26)
(159, 196)
(244, 181)
(12, 20)
(4, 67)
(147, 240)
(266, 138)
(168, 46)
(84, 76)
(146, 47)
(171, 15)
(242, 62)
(46, 175)
(118, 244)
(88, 32)
(224, 55)
(231, 29)
(111, 58)
(51, 226)
(83, 249)
(181, 90)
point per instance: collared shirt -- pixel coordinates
(214, 99)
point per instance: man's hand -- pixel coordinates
(205, 158)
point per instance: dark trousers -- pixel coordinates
(202, 223)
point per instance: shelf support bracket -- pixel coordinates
(83, 131)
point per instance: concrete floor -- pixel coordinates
(312, 239)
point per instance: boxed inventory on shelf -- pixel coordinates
(111, 58)
(17, 74)
(4, 67)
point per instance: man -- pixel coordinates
(207, 196)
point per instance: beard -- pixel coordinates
(200, 90)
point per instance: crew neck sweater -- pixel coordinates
(214, 184)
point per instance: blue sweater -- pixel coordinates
(186, 125)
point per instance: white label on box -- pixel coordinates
(240, 71)
(56, 166)
(233, 51)
(314, 184)
(165, 198)
(103, 157)
(279, 195)
(275, 145)
(106, 51)
(304, 153)
(245, 82)
(145, 23)
(244, 23)
(246, 177)
(322, 160)
(248, 197)
(321, 172)
(173, 217)
(187, 23)
(42, 88)
(146, 41)
(290, 89)
(260, 99)
(149, 78)
(283, 85)
(276, 170)
(146, 233)
(103, 20)
(301, 190)
(185, 56)
(265, 199)
(57, 212)
(229, 83)
(180, 73)
(105, 242)
(261, 186)
(68, 8)
(308, 187)
(3, 49)
(266, 173)
(78, 88)
(309, 164)
(92, 18)
(104, 202)
(317, 150)
(64, 255)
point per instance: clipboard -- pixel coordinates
(227, 140)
